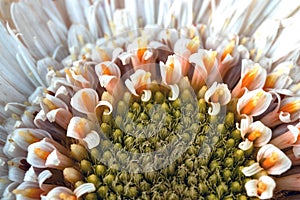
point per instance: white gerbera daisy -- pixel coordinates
(149, 99)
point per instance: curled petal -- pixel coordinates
(106, 72)
(28, 190)
(84, 188)
(61, 116)
(139, 82)
(252, 169)
(92, 139)
(171, 71)
(279, 163)
(262, 188)
(175, 92)
(85, 100)
(58, 160)
(218, 93)
(146, 95)
(106, 104)
(245, 145)
(214, 109)
(57, 192)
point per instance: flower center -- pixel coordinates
(270, 161)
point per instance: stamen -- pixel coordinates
(228, 50)
(41, 153)
(28, 137)
(254, 135)
(252, 104)
(249, 77)
(291, 107)
(261, 187)
(271, 80)
(105, 70)
(64, 196)
(270, 161)
(194, 44)
(49, 104)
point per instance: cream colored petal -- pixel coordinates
(254, 103)
(44, 176)
(214, 109)
(251, 188)
(85, 100)
(146, 96)
(245, 145)
(84, 188)
(15, 171)
(266, 133)
(26, 136)
(92, 139)
(106, 104)
(271, 184)
(283, 163)
(55, 192)
(175, 92)
(252, 169)
(296, 151)
(78, 128)
(60, 116)
(58, 160)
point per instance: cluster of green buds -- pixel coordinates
(164, 149)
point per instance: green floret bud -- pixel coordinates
(230, 143)
(238, 155)
(121, 108)
(235, 187)
(159, 97)
(202, 106)
(102, 191)
(177, 104)
(108, 179)
(212, 197)
(101, 170)
(229, 119)
(202, 91)
(118, 136)
(236, 135)
(91, 196)
(94, 179)
(229, 162)
(86, 166)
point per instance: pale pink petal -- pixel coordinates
(254, 103)
(146, 96)
(106, 104)
(282, 164)
(252, 187)
(85, 100)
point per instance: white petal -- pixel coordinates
(245, 145)
(58, 161)
(175, 92)
(92, 139)
(283, 163)
(251, 188)
(106, 104)
(84, 188)
(85, 100)
(252, 169)
(146, 96)
(214, 109)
